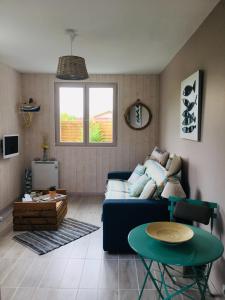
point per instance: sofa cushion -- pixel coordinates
(138, 172)
(117, 185)
(148, 190)
(137, 187)
(173, 165)
(160, 156)
(156, 172)
(118, 195)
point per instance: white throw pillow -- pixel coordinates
(148, 190)
(137, 187)
(136, 174)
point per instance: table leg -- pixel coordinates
(202, 286)
(145, 280)
(201, 282)
(163, 283)
(168, 273)
(148, 269)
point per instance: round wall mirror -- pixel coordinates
(138, 116)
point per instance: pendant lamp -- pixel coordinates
(71, 67)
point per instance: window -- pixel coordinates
(85, 114)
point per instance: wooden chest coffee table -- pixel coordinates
(39, 215)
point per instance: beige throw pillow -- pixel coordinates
(175, 165)
(160, 156)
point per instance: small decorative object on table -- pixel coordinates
(55, 197)
(52, 191)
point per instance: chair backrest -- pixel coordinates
(192, 210)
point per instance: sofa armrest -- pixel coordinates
(122, 215)
(123, 175)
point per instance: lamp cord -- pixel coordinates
(72, 34)
(71, 43)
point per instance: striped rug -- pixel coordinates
(43, 242)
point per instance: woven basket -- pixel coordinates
(71, 67)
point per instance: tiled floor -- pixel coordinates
(79, 271)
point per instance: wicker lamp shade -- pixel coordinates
(71, 67)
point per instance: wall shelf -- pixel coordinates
(27, 110)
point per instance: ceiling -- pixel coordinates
(115, 36)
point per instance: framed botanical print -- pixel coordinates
(190, 106)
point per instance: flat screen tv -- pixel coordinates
(10, 145)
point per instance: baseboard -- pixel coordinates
(81, 194)
(4, 213)
(6, 225)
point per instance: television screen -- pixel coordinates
(10, 145)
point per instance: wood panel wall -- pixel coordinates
(84, 170)
(11, 170)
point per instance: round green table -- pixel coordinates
(199, 253)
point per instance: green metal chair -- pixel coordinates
(191, 210)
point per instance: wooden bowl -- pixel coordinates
(169, 232)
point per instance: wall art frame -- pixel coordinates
(190, 106)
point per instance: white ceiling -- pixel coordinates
(115, 36)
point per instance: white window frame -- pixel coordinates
(86, 87)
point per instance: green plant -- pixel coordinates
(66, 117)
(95, 134)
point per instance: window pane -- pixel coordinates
(71, 109)
(101, 115)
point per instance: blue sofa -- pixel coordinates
(121, 215)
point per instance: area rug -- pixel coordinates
(43, 242)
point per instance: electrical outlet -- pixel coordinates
(223, 289)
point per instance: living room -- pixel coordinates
(140, 50)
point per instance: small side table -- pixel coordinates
(202, 249)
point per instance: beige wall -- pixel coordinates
(83, 170)
(204, 161)
(11, 170)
